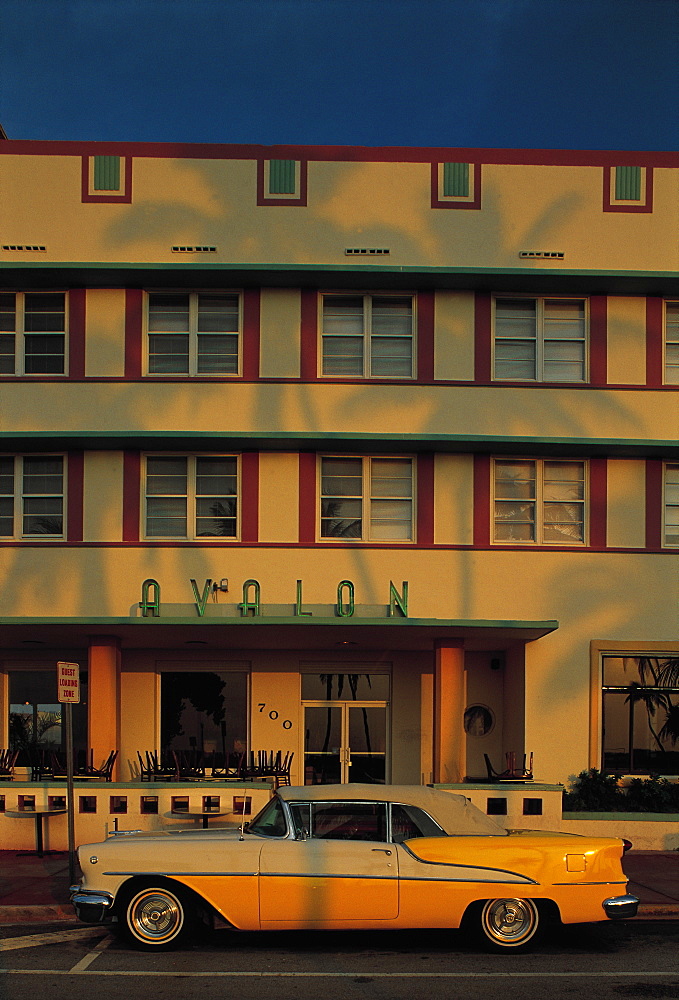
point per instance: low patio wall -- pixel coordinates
(525, 805)
(647, 831)
(101, 807)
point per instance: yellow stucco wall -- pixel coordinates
(320, 408)
(626, 503)
(626, 340)
(278, 497)
(105, 340)
(102, 496)
(192, 201)
(454, 333)
(453, 499)
(280, 323)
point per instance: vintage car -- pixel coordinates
(352, 857)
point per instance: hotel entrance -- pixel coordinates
(346, 730)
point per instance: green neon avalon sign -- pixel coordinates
(251, 603)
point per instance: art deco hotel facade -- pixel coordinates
(368, 455)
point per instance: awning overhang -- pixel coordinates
(275, 632)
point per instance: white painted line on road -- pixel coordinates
(87, 960)
(52, 937)
(363, 976)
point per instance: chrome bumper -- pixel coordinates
(91, 906)
(617, 907)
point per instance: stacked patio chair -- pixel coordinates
(7, 762)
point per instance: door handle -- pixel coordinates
(382, 850)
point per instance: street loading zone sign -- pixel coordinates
(68, 683)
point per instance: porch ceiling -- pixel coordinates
(350, 634)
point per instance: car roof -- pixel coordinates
(454, 813)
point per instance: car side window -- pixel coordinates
(271, 821)
(349, 820)
(409, 821)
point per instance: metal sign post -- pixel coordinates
(68, 691)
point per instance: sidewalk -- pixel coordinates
(36, 889)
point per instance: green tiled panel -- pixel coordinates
(628, 183)
(455, 180)
(107, 173)
(281, 176)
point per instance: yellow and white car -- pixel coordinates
(352, 857)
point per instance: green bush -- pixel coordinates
(593, 791)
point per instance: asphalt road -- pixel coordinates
(598, 962)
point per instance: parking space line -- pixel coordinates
(51, 937)
(362, 975)
(87, 960)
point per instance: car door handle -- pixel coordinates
(383, 850)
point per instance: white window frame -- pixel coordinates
(539, 522)
(20, 496)
(192, 333)
(671, 339)
(367, 334)
(669, 505)
(541, 339)
(20, 333)
(191, 497)
(367, 500)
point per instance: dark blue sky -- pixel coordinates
(588, 74)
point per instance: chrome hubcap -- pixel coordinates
(509, 921)
(155, 915)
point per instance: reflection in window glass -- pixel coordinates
(641, 714)
(36, 724)
(345, 687)
(204, 710)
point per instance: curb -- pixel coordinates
(33, 914)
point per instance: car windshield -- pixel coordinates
(270, 822)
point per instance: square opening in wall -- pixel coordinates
(87, 803)
(118, 804)
(180, 803)
(242, 805)
(56, 801)
(496, 807)
(148, 805)
(26, 803)
(2, 803)
(210, 803)
(532, 807)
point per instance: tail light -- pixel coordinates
(627, 845)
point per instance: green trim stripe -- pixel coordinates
(107, 173)
(543, 626)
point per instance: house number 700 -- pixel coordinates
(273, 715)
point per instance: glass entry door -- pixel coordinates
(345, 742)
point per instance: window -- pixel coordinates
(32, 333)
(672, 505)
(540, 340)
(367, 499)
(32, 496)
(456, 185)
(540, 502)
(204, 710)
(628, 189)
(641, 714)
(192, 333)
(189, 497)
(36, 718)
(107, 179)
(368, 336)
(282, 182)
(672, 343)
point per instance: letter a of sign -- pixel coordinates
(68, 683)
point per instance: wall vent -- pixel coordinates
(548, 254)
(34, 248)
(194, 249)
(366, 251)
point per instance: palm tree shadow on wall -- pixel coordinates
(656, 689)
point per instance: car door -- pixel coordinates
(343, 871)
